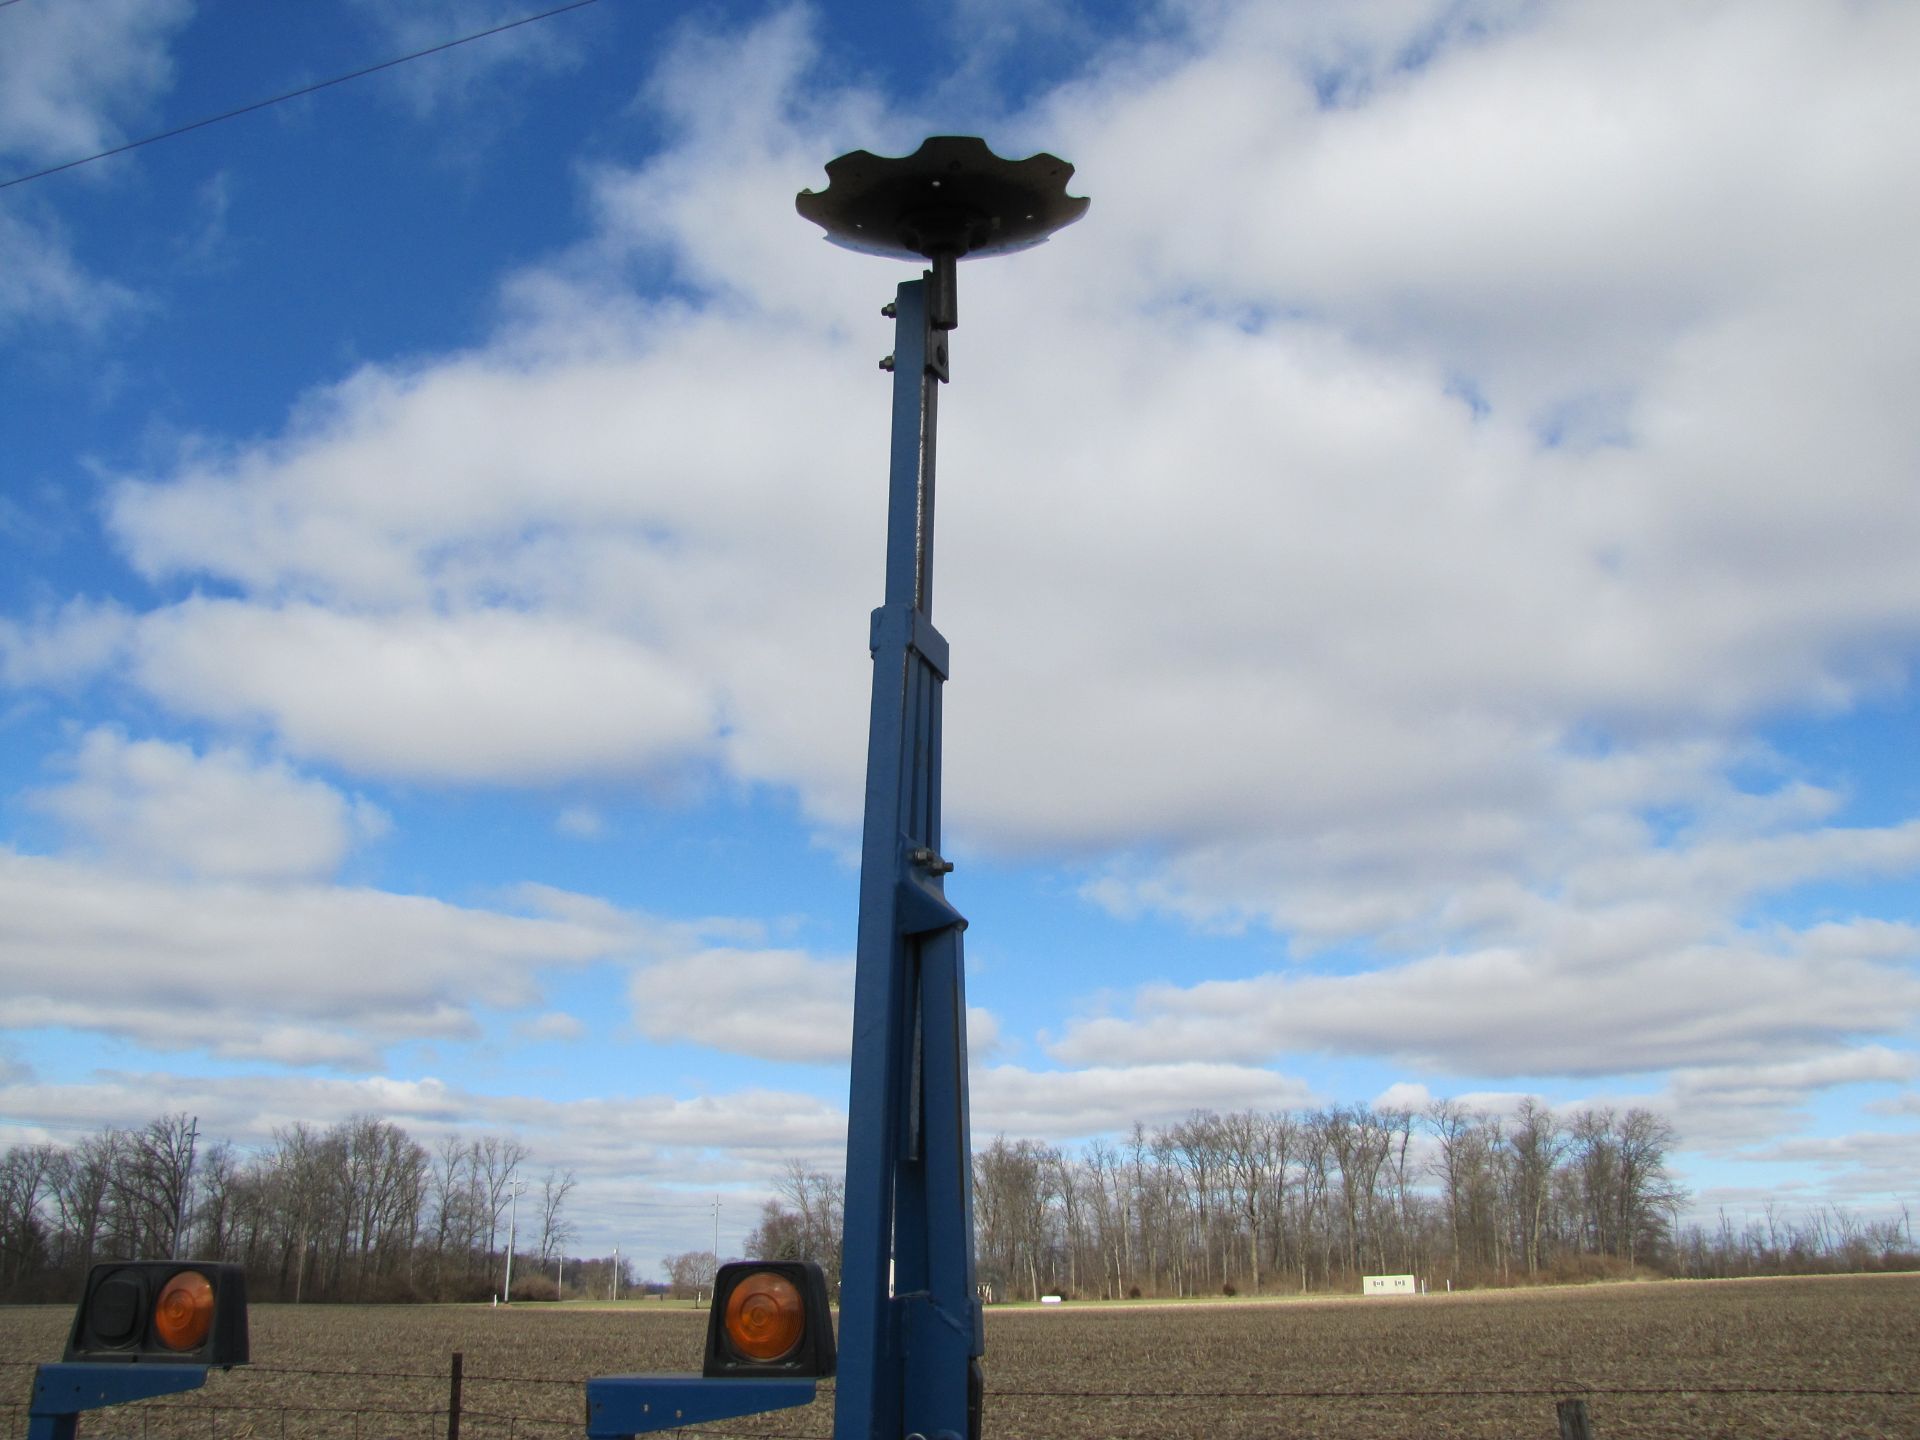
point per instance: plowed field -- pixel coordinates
(1816, 1358)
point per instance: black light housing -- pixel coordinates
(769, 1318)
(173, 1312)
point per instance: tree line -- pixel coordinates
(1312, 1200)
(1241, 1203)
(1256, 1201)
(357, 1211)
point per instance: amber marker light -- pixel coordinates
(183, 1314)
(770, 1317)
(765, 1319)
(190, 1312)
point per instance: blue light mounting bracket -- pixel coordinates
(636, 1404)
(62, 1392)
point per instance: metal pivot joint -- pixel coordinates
(911, 1330)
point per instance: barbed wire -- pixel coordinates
(1454, 1393)
(1400, 1392)
(515, 1420)
(439, 1376)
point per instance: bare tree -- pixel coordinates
(1248, 1147)
(1647, 1193)
(27, 1172)
(217, 1179)
(150, 1184)
(689, 1273)
(1538, 1140)
(450, 1194)
(1453, 1127)
(1013, 1187)
(555, 1229)
(495, 1163)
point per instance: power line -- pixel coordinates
(292, 94)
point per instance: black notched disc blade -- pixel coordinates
(952, 196)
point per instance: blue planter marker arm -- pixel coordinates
(909, 1322)
(911, 1332)
(910, 1325)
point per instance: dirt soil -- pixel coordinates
(1818, 1357)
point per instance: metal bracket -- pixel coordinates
(620, 1405)
(910, 626)
(921, 908)
(62, 1391)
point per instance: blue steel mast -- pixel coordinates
(910, 1325)
(911, 1330)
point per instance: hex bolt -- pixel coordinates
(886, 362)
(890, 310)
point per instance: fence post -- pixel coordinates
(453, 1398)
(1575, 1423)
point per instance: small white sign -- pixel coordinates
(1389, 1285)
(1049, 1299)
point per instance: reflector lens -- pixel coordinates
(766, 1317)
(184, 1313)
(116, 1311)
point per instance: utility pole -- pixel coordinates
(513, 1220)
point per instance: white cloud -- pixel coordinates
(1607, 994)
(581, 822)
(1390, 617)
(71, 78)
(1404, 1095)
(492, 695)
(551, 1026)
(159, 807)
(1791, 1081)
(462, 78)
(1551, 195)
(70, 75)
(1725, 1110)
(1907, 1102)
(773, 1004)
(1061, 1105)
(1863, 1165)
(783, 1005)
(65, 646)
(301, 974)
(41, 281)
(984, 1041)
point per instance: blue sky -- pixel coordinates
(1429, 564)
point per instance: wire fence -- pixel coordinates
(460, 1409)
